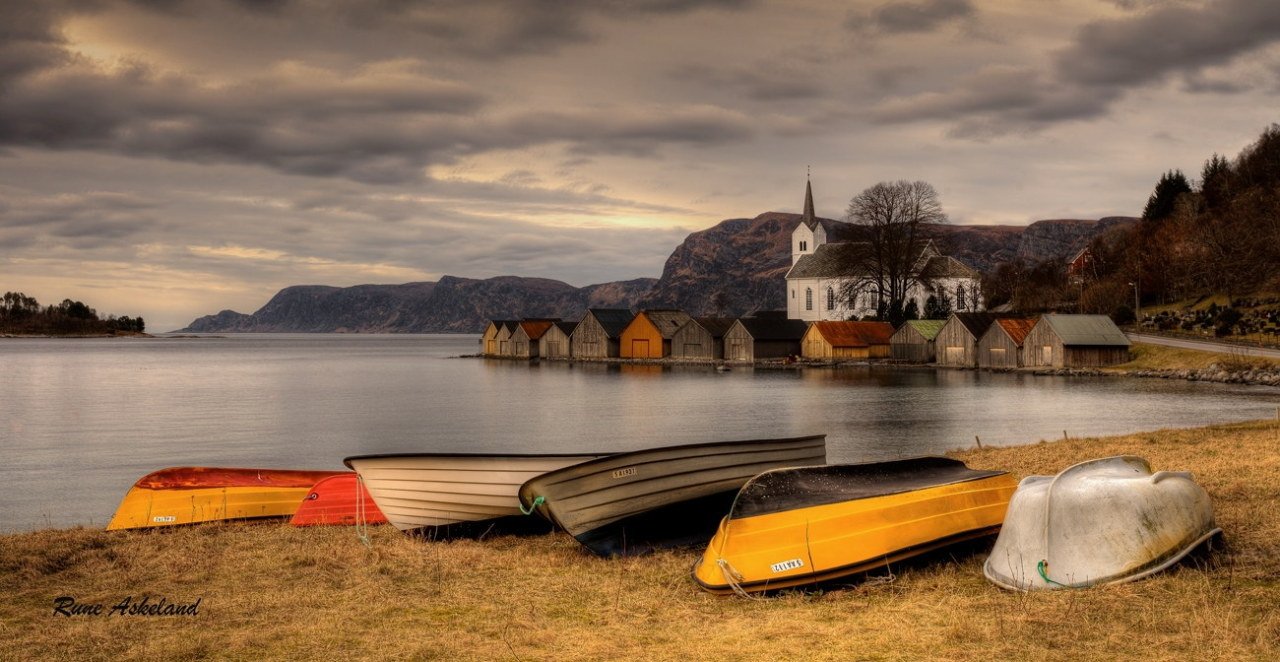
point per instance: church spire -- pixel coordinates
(808, 219)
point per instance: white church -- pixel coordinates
(819, 270)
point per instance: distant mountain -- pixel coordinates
(730, 269)
(452, 304)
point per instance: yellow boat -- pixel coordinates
(187, 495)
(790, 527)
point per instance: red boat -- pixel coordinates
(333, 501)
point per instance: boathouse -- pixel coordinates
(957, 340)
(847, 340)
(1000, 348)
(503, 337)
(1075, 341)
(755, 338)
(701, 338)
(914, 341)
(527, 336)
(648, 336)
(597, 335)
(489, 340)
(556, 343)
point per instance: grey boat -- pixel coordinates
(673, 496)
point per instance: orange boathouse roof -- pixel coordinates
(855, 334)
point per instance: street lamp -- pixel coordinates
(1136, 315)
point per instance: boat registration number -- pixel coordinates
(164, 519)
(623, 473)
(787, 565)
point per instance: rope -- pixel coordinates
(537, 501)
(1040, 567)
(734, 578)
(362, 524)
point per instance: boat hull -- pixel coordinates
(632, 503)
(1104, 521)
(190, 495)
(794, 527)
(338, 501)
(456, 495)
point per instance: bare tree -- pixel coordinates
(895, 218)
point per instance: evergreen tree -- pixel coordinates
(912, 311)
(1162, 201)
(1214, 181)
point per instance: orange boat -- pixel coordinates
(338, 500)
(187, 495)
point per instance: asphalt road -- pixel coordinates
(1205, 345)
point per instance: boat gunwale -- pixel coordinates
(382, 456)
(200, 478)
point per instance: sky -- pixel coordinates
(174, 158)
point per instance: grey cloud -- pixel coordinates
(87, 220)
(763, 82)
(910, 17)
(1175, 38)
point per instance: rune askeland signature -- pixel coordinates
(66, 605)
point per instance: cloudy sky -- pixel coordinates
(174, 158)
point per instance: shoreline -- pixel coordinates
(276, 592)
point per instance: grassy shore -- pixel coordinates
(270, 591)
(1162, 357)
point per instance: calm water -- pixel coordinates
(80, 420)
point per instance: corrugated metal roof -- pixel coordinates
(927, 328)
(614, 320)
(1086, 330)
(667, 321)
(534, 329)
(768, 328)
(854, 334)
(1016, 328)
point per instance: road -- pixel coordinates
(1205, 345)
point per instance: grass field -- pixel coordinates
(270, 591)
(1161, 357)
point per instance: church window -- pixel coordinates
(831, 298)
(960, 304)
(804, 246)
(808, 298)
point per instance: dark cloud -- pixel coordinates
(910, 17)
(763, 82)
(82, 221)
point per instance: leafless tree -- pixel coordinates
(895, 219)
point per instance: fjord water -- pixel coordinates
(82, 419)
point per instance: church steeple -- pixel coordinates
(808, 219)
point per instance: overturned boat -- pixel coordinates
(791, 527)
(632, 503)
(441, 495)
(187, 495)
(338, 501)
(1104, 521)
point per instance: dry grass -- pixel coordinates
(275, 592)
(1161, 357)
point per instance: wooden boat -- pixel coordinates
(340, 501)
(1103, 521)
(790, 527)
(186, 495)
(632, 503)
(456, 494)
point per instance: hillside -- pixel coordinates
(732, 268)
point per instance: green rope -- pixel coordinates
(362, 524)
(538, 501)
(1043, 575)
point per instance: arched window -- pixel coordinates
(804, 246)
(960, 305)
(831, 298)
(808, 298)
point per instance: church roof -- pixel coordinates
(809, 218)
(944, 266)
(830, 260)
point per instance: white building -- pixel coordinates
(820, 269)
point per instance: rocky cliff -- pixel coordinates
(730, 269)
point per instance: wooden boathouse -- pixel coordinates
(556, 342)
(755, 338)
(701, 338)
(957, 340)
(914, 340)
(1000, 348)
(847, 340)
(1075, 341)
(489, 340)
(597, 335)
(527, 336)
(649, 334)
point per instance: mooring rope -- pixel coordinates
(362, 524)
(734, 578)
(537, 501)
